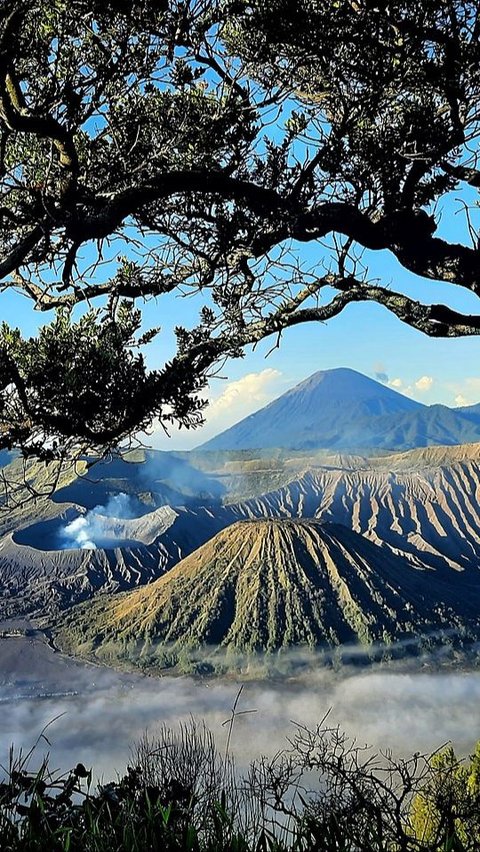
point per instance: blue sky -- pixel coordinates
(366, 337)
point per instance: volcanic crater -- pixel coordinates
(93, 530)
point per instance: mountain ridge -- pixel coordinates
(266, 584)
(342, 409)
(422, 505)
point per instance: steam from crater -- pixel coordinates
(78, 534)
(90, 531)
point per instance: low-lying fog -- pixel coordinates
(104, 711)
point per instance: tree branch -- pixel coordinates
(18, 255)
(432, 320)
(133, 289)
(407, 234)
(471, 176)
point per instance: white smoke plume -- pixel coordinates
(90, 531)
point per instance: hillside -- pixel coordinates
(125, 502)
(345, 410)
(268, 584)
(38, 576)
(422, 505)
(430, 514)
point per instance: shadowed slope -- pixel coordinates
(344, 410)
(267, 584)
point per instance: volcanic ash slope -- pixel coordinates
(266, 584)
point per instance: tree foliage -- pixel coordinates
(197, 146)
(322, 792)
(445, 809)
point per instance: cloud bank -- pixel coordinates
(405, 711)
(236, 400)
(243, 396)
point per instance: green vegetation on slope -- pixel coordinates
(263, 585)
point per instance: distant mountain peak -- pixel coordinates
(345, 383)
(344, 410)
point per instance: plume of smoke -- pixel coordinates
(178, 481)
(78, 533)
(89, 531)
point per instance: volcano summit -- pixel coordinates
(345, 410)
(262, 585)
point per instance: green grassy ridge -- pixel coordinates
(266, 585)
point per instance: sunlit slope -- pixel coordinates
(263, 584)
(344, 410)
(250, 473)
(429, 513)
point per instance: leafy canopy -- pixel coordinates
(196, 146)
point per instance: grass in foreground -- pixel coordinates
(323, 793)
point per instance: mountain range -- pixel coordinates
(346, 411)
(152, 554)
(270, 584)
(421, 505)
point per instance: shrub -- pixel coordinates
(323, 793)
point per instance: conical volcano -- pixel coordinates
(267, 584)
(345, 410)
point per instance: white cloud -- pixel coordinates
(246, 393)
(466, 392)
(424, 384)
(237, 400)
